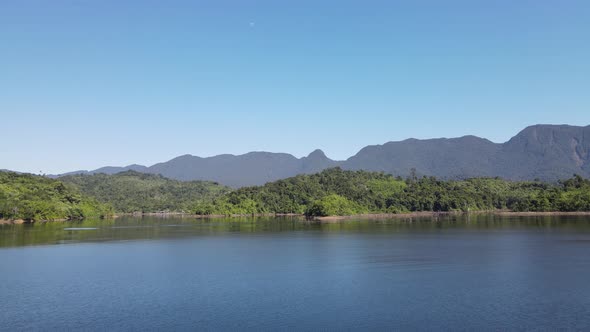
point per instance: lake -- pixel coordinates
(454, 273)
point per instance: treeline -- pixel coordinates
(35, 198)
(338, 192)
(331, 192)
(132, 191)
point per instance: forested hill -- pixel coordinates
(36, 198)
(339, 192)
(132, 191)
(332, 192)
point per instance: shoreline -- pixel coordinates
(12, 222)
(326, 219)
(426, 214)
(22, 221)
(205, 216)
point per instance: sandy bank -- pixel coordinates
(22, 221)
(12, 222)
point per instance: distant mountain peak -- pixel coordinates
(317, 154)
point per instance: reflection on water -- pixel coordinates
(134, 228)
(80, 228)
(479, 272)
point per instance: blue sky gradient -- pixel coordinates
(85, 84)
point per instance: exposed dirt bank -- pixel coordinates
(22, 221)
(12, 222)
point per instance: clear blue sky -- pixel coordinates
(85, 84)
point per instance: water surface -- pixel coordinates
(459, 273)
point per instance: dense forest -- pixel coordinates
(35, 198)
(132, 191)
(338, 192)
(331, 192)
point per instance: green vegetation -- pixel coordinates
(299, 193)
(36, 198)
(331, 192)
(139, 192)
(338, 192)
(333, 205)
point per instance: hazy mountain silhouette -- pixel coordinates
(462, 157)
(546, 152)
(248, 169)
(236, 171)
(109, 170)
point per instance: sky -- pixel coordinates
(85, 84)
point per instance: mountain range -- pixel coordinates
(544, 152)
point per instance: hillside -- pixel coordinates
(545, 152)
(339, 192)
(452, 158)
(235, 171)
(132, 191)
(331, 192)
(36, 198)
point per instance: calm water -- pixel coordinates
(484, 272)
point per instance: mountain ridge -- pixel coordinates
(546, 152)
